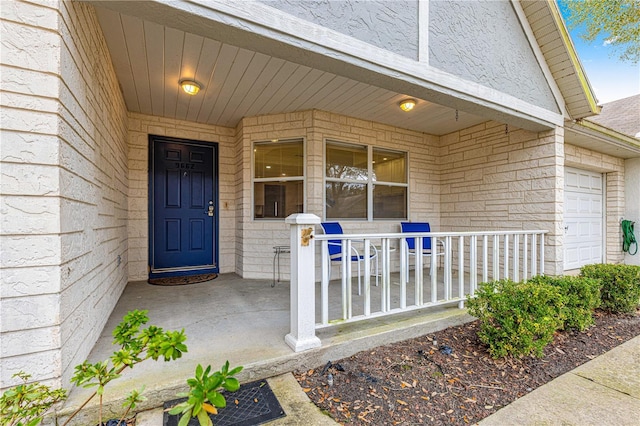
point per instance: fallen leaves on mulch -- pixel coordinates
(448, 377)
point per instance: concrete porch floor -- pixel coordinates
(243, 321)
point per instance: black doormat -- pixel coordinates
(183, 280)
(253, 404)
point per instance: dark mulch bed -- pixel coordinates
(415, 382)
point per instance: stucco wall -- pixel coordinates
(496, 178)
(483, 41)
(390, 25)
(613, 169)
(632, 207)
(140, 127)
(64, 185)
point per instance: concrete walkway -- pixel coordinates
(604, 391)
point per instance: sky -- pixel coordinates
(610, 78)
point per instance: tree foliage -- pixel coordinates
(616, 20)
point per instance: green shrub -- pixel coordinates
(517, 318)
(137, 344)
(581, 298)
(204, 395)
(619, 285)
(26, 404)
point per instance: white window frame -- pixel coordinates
(278, 179)
(370, 183)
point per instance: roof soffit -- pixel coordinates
(555, 43)
(587, 134)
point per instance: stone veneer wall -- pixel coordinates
(64, 188)
(315, 126)
(257, 237)
(140, 127)
(495, 178)
(614, 193)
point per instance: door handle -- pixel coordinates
(210, 210)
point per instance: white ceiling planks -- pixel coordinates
(278, 80)
(151, 59)
(271, 69)
(204, 76)
(137, 52)
(372, 102)
(328, 97)
(220, 71)
(155, 63)
(348, 101)
(114, 35)
(237, 70)
(306, 97)
(243, 88)
(173, 42)
(286, 90)
(190, 59)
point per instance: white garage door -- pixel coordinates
(582, 218)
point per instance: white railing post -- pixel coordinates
(473, 265)
(506, 256)
(385, 295)
(485, 266)
(417, 290)
(303, 277)
(542, 254)
(516, 258)
(324, 286)
(404, 272)
(496, 257)
(534, 254)
(525, 258)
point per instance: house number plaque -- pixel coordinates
(306, 235)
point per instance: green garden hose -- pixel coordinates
(628, 238)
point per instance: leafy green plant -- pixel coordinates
(581, 296)
(133, 399)
(26, 404)
(137, 344)
(619, 285)
(204, 397)
(517, 319)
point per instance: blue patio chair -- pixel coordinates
(335, 250)
(426, 242)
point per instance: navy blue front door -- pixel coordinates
(183, 207)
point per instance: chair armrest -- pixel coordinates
(355, 250)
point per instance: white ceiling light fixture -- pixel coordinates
(407, 104)
(190, 87)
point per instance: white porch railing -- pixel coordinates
(463, 260)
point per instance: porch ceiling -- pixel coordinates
(150, 59)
